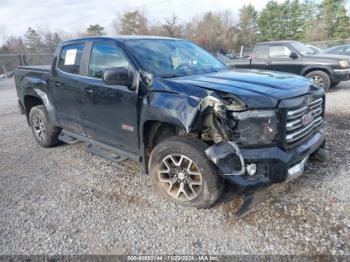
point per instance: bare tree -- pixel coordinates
(15, 45)
(172, 28)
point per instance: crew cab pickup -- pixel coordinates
(192, 121)
(326, 70)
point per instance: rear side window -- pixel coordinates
(279, 51)
(261, 52)
(69, 60)
(103, 56)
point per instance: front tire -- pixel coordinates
(45, 134)
(320, 78)
(183, 174)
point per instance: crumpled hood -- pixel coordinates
(258, 89)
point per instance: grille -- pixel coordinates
(303, 120)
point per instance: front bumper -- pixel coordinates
(275, 165)
(341, 75)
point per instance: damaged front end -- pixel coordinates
(229, 126)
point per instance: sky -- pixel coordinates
(76, 15)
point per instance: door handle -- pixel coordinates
(59, 84)
(89, 90)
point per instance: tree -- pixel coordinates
(209, 31)
(292, 19)
(270, 22)
(248, 25)
(95, 30)
(133, 23)
(172, 28)
(189, 31)
(332, 12)
(51, 40)
(342, 23)
(32, 41)
(15, 45)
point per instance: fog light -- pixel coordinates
(251, 169)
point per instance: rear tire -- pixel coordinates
(182, 173)
(320, 78)
(44, 133)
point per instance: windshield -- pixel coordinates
(301, 48)
(173, 58)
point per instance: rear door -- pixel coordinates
(65, 84)
(110, 111)
(280, 59)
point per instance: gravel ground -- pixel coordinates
(64, 200)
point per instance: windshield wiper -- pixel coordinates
(169, 75)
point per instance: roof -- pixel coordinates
(278, 42)
(121, 38)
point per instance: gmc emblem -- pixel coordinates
(307, 118)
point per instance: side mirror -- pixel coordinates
(118, 76)
(294, 55)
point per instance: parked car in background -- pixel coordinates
(315, 49)
(191, 120)
(339, 50)
(325, 70)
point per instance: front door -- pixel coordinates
(109, 111)
(280, 60)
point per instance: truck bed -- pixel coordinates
(41, 71)
(42, 68)
(240, 63)
(25, 74)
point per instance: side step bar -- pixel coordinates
(97, 148)
(105, 151)
(68, 137)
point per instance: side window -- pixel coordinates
(105, 56)
(69, 60)
(279, 51)
(261, 52)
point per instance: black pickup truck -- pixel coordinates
(326, 70)
(192, 121)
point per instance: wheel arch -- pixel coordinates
(30, 101)
(318, 68)
(153, 131)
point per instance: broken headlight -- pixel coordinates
(255, 127)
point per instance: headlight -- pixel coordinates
(255, 127)
(344, 63)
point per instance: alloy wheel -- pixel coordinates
(318, 80)
(39, 127)
(180, 177)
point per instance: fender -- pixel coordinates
(172, 108)
(318, 67)
(37, 87)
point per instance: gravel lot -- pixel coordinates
(64, 200)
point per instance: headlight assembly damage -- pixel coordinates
(255, 127)
(229, 125)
